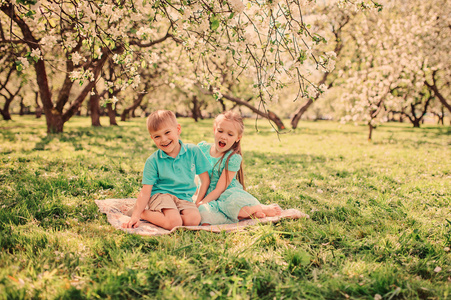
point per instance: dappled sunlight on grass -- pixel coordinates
(380, 215)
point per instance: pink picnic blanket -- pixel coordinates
(115, 210)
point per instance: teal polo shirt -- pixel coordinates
(175, 176)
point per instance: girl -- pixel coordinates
(226, 201)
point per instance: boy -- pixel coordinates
(168, 177)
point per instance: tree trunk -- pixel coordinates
(22, 107)
(144, 108)
(416, 123)
(38, 107)
(94, 107)
(131, 108)
(195, 110)
(434, 88)
(112, 114)
(5, 112)
(55, 123)
(370, 133)
(53, 117)
(441, 116)
(124, 115)
(299, 112)
(200, 110)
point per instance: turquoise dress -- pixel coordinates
(225, 209)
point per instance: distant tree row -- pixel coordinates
(377, 62)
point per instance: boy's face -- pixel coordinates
(167, 138)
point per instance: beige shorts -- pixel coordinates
(159, 201)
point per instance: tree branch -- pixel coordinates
(79, 100)
(433, 87)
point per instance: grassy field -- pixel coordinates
(380, 225)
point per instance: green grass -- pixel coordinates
(380, 216)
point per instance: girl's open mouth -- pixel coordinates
(221, 144)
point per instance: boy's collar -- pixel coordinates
(163, 154)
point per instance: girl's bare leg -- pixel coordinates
(251, 212)
(259, 211)
(271, 210)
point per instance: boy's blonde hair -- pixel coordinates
(156, 119)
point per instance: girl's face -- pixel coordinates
(226, 134)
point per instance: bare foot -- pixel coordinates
(271, 210)
(259, 215)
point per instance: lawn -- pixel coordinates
(379, 227)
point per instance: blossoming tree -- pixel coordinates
(401, 62)
(334, 22)
(267, 40)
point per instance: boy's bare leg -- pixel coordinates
(190, 217)
(168, 218)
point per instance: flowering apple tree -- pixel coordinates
(400, 63)
(72, 41)
(335, 22)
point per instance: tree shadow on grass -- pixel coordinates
(102, 137)
(315, 181)
(434, 131)
(307, 131)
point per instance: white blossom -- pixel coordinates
(24, 62)
(113, 100)
(48, 42)
(75, 75)
(237, 6)
(323, 87)
(154, 58)
(136, 81)
(77, 58)
(36, 53)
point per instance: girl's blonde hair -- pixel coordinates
(236, 147)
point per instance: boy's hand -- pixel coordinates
(140, 204)
(133, 223)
